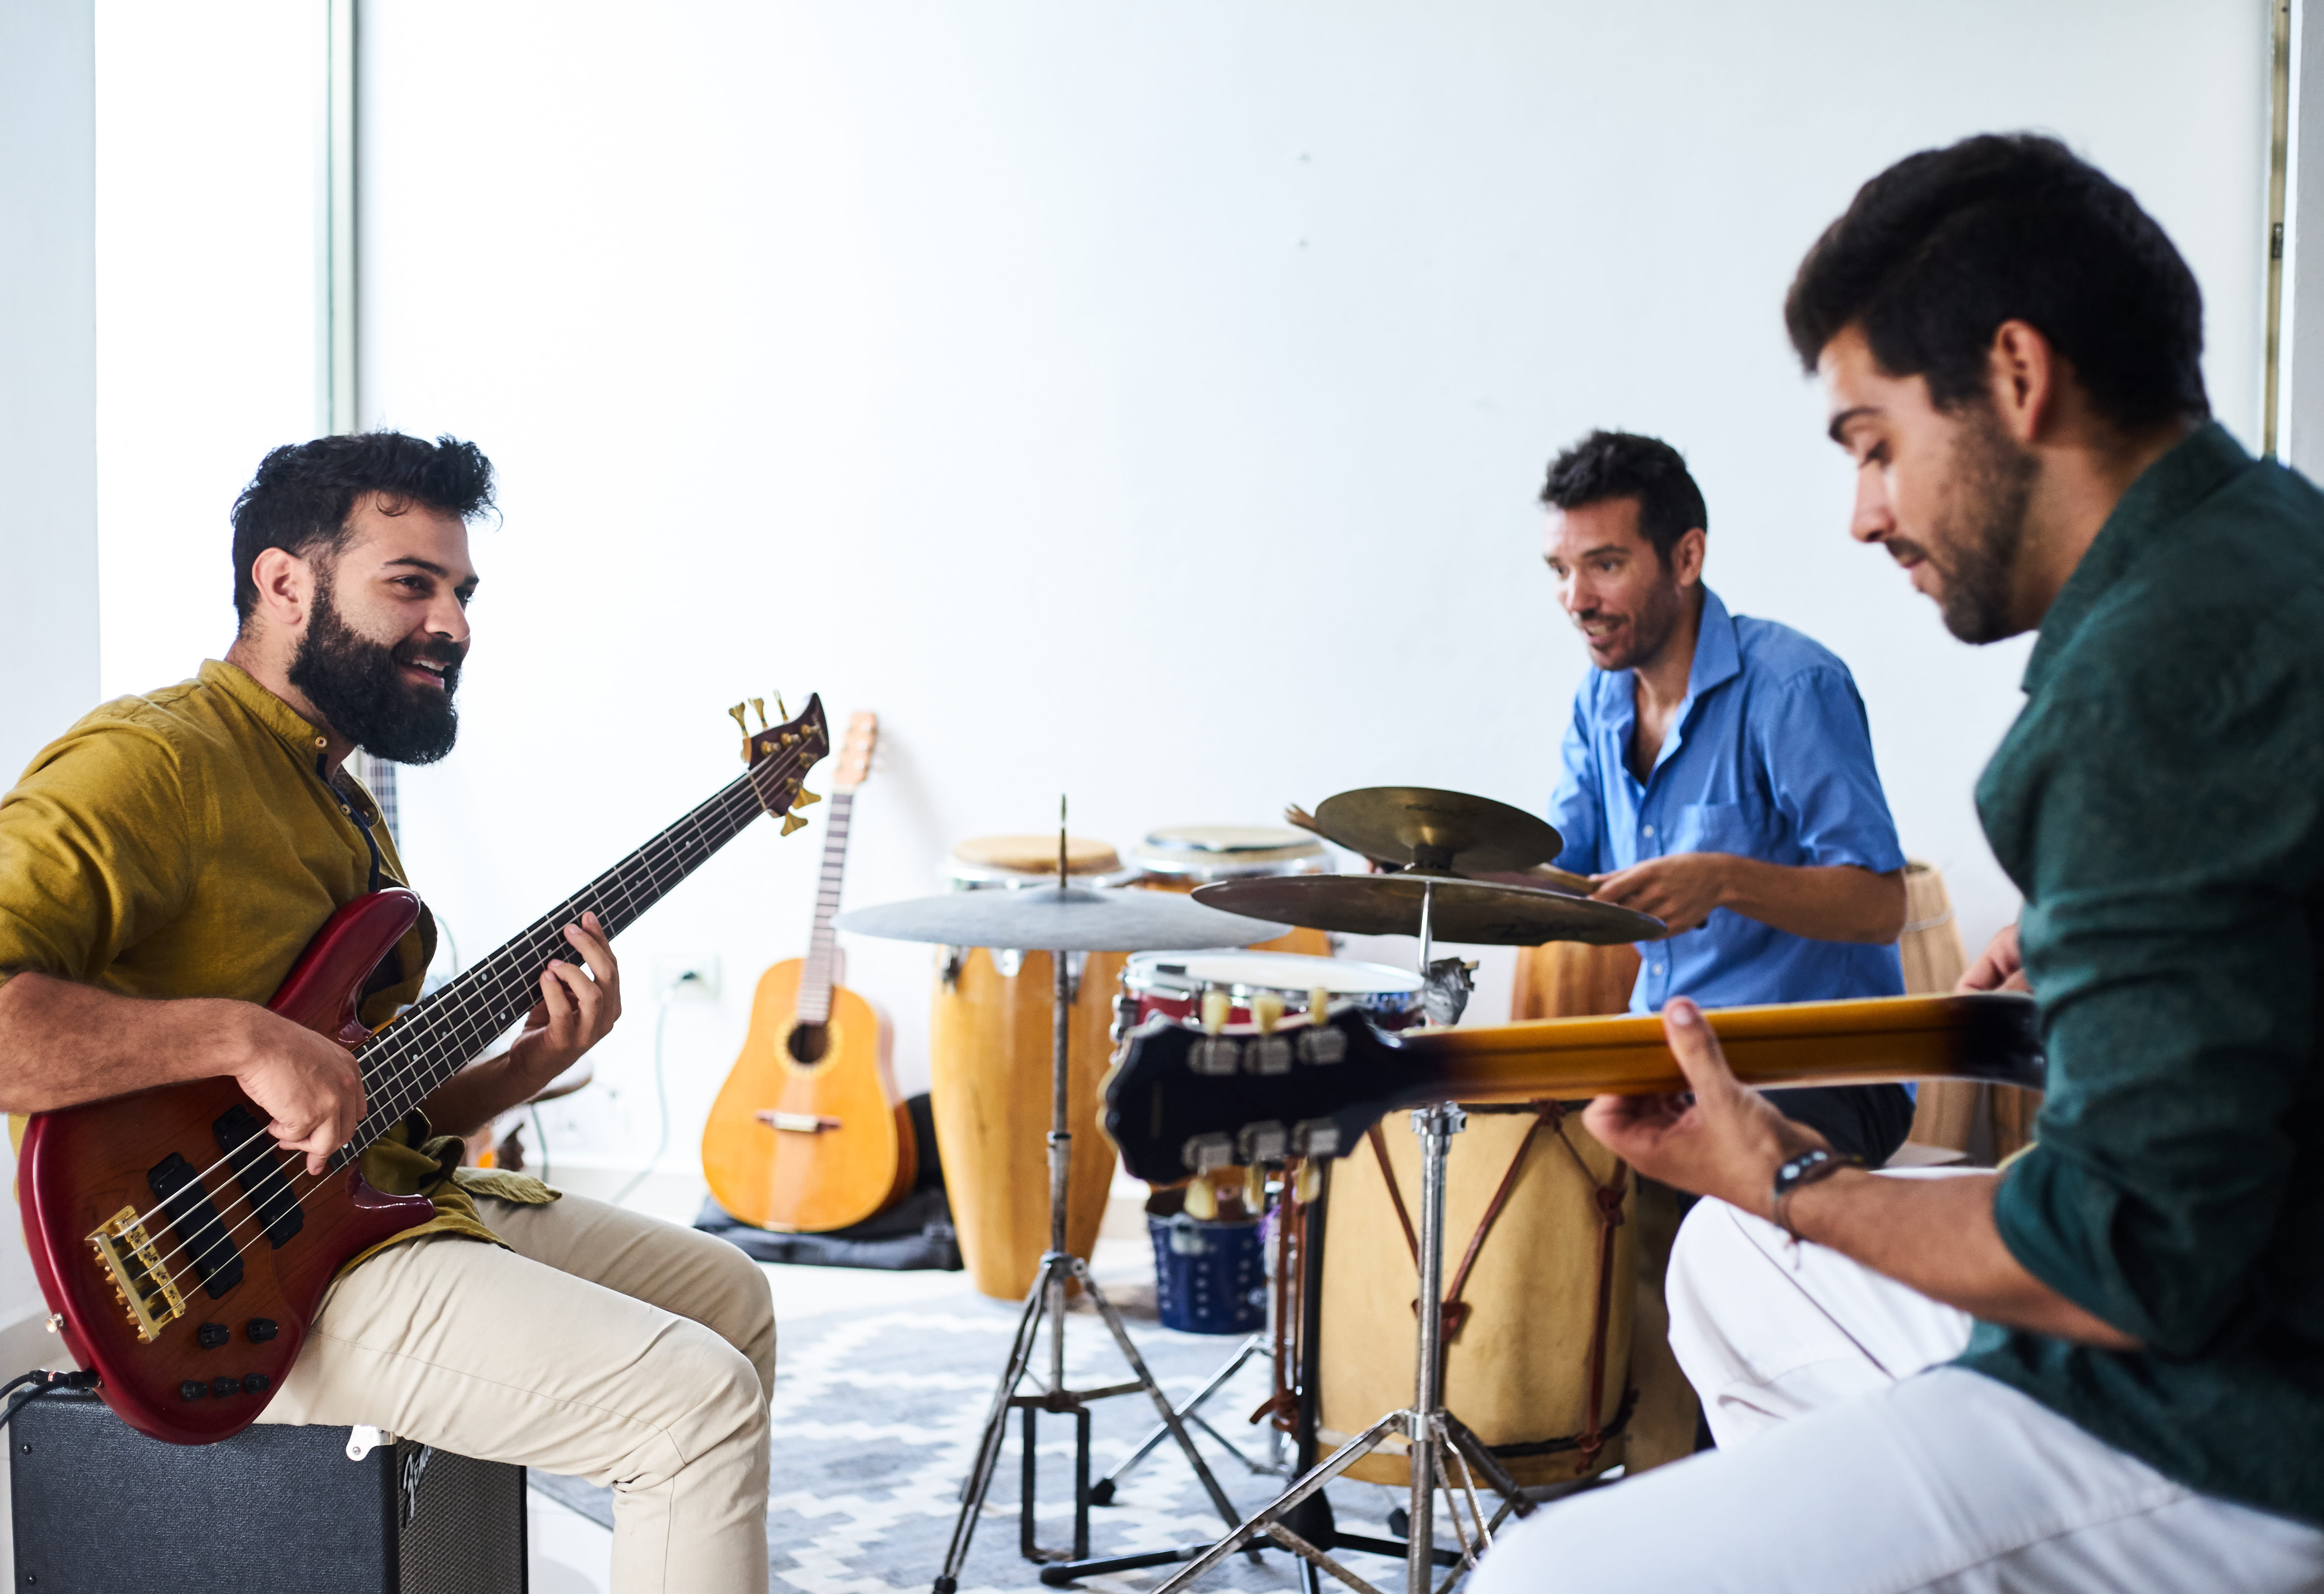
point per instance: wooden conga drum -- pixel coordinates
(1180, 857)
(1545, 1301)
(990, 1053)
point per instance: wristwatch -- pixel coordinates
(1805, 1169)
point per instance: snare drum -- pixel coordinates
(989, 1066)
(1180, 857)
(1172, 983)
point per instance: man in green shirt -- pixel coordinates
(163, 862)
(2102, 1366)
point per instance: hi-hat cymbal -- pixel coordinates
(1043, 918)
(1475, 911)
(1430, 829)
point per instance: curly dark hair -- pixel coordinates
(1933, 254)
(303, 493)
(1622, 465)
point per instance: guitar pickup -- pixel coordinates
(186, 1206)
(799, 1123)
(141, 1283)
(264, 1178)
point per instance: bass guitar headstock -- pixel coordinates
(1183, 1101)
(781, 755)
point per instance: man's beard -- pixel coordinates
(1650, 628)
(1980, 529)
(357, 685)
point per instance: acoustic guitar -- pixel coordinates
(1185, 1100)
(809, 1133)
(182, 1252)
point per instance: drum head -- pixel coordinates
(1227, 851)
(1027, 860)
(1266, 971)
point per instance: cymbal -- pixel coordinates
(1045, 918)
(1463, 910)
(1442, 830)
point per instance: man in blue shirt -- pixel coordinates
(1718, 774)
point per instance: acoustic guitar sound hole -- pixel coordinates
(810, 1041)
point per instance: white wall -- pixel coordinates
(48, 460)
(207, 129)
(1143, 401)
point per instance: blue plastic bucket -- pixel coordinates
(1209, 1278)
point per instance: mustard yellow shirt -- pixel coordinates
(186, 844)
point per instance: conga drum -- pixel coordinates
(1538, 1248)
(990, 1056)
(1180, 857)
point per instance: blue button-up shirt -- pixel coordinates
(1769, 757)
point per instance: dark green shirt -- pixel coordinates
(2160, 803)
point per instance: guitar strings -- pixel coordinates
(496, 988)
(538, 942)
(408, 1083)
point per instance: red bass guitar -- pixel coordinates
(183, 1254)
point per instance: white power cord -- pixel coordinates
(662, 1101)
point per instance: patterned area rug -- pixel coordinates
(876, 1416)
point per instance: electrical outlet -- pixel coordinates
(681, 975)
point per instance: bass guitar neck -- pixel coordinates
(1183, 1100)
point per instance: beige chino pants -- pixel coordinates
(606, 1345)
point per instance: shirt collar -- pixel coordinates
(2189, 473)
(1716, 657)
(305, 741)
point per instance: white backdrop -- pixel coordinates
(1144, 400)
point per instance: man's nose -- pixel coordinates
(1872, 521)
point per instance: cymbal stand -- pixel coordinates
(1045, 1306)
(1440, 1447)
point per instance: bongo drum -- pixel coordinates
(989, 1065)
(1180, 857)
(1539, 1299)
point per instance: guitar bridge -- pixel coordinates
(141, 1283)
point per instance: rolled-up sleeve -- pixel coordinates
(1816, 759)
(2178, 1050)
(93, 852)
(1578, 808)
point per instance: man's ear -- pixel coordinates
(2022, 375)
(1686, 557)
(286, 589)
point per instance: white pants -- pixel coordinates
(606, 1344)
(1849, 1462)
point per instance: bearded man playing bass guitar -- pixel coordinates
(161, 866)
(2102, 1366)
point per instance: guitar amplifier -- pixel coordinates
(99, 1508)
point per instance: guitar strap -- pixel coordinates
(1606, 1195)
(363, 822)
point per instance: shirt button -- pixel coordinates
(319, 741)
(1649, 830)
(347, 811)
(1658, 968)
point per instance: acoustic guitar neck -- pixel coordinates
(817, 976)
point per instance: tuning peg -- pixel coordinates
(1266, 1010)
(805, 798)
(737, 712)
(780, 708)
(759, 707)
(1201, 1200)
(792, 822)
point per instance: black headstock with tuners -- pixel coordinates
(1183, 1101)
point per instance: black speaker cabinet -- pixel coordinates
(99, 1508)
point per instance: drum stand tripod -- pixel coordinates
(1440, 1445)
(1045, 1304)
